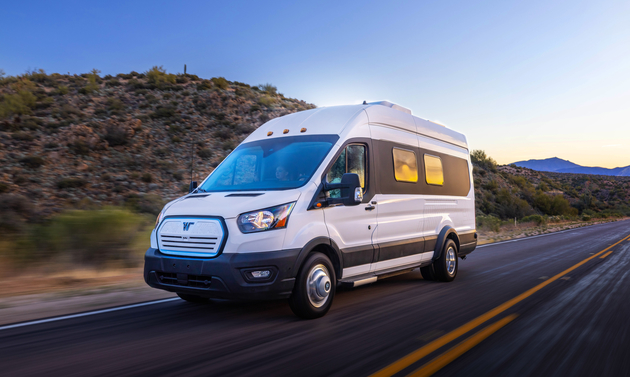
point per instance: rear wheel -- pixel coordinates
(446, 265)
(314, 287)
(192, 298)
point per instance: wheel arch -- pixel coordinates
(446, 233)
(325, 246)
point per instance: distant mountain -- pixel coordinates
(559, 165)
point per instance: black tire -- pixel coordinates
(446, 265)
(193, 298)
(316, 265)
(428, 272)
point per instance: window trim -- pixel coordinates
(394, 162)
(426, 175)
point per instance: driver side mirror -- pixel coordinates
(350, 187)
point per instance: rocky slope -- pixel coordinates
(85, 140)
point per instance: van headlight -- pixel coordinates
(265, 219)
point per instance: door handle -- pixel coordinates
(369, 207)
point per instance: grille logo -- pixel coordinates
(187, 226)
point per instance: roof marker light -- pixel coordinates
(303, 130)
(269, 133)
(286, 131)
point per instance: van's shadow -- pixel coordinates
(278, 310)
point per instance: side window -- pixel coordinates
(405, 165)
(433, 168)
(351, 160)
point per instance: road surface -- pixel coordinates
(557, 304)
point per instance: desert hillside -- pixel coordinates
(85, 141)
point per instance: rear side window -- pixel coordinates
(433, 168)
(405, 165)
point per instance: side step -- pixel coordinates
(357, 281)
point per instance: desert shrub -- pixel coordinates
(271, 89)
(66, 183)
(204, 153)
(158, 77)
(19, 103)
(491, 185)
(62, 90)
(32, 162)
(113, 82)
(553, 204)
(586, 218)
(266, 101)
(23, 136)
(163, 112)
(178, 176)
(116, 135)
(93, 80)
(147, 177)
(3, 187)
(176, 139)
(220, 82)
(228, 145)
(537, 219)
(114, 104)
(543, 187)
(489, 223)
(32, 123)
(254, 107)
(68, 111)
(204, 85)
(480, 158)
(223, 133)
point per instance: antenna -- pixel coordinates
(193, 184)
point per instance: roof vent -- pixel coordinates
(389, 104)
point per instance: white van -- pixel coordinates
(316, 199)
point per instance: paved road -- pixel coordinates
(514, 309)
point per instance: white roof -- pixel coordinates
(335, 119)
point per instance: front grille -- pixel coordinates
(196, 281)
(207, 244)
(193, 237)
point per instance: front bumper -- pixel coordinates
(223, 276)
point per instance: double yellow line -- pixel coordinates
(450, 355)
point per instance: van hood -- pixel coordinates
(228, 204)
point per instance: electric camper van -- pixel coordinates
(342, 195)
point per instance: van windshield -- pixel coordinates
(270, 164)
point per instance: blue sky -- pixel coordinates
(529, 79)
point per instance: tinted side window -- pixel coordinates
(405, 165)
(454, 177)
(351, 160)
(433, 169)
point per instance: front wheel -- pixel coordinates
(446, 265)
(314, 287)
